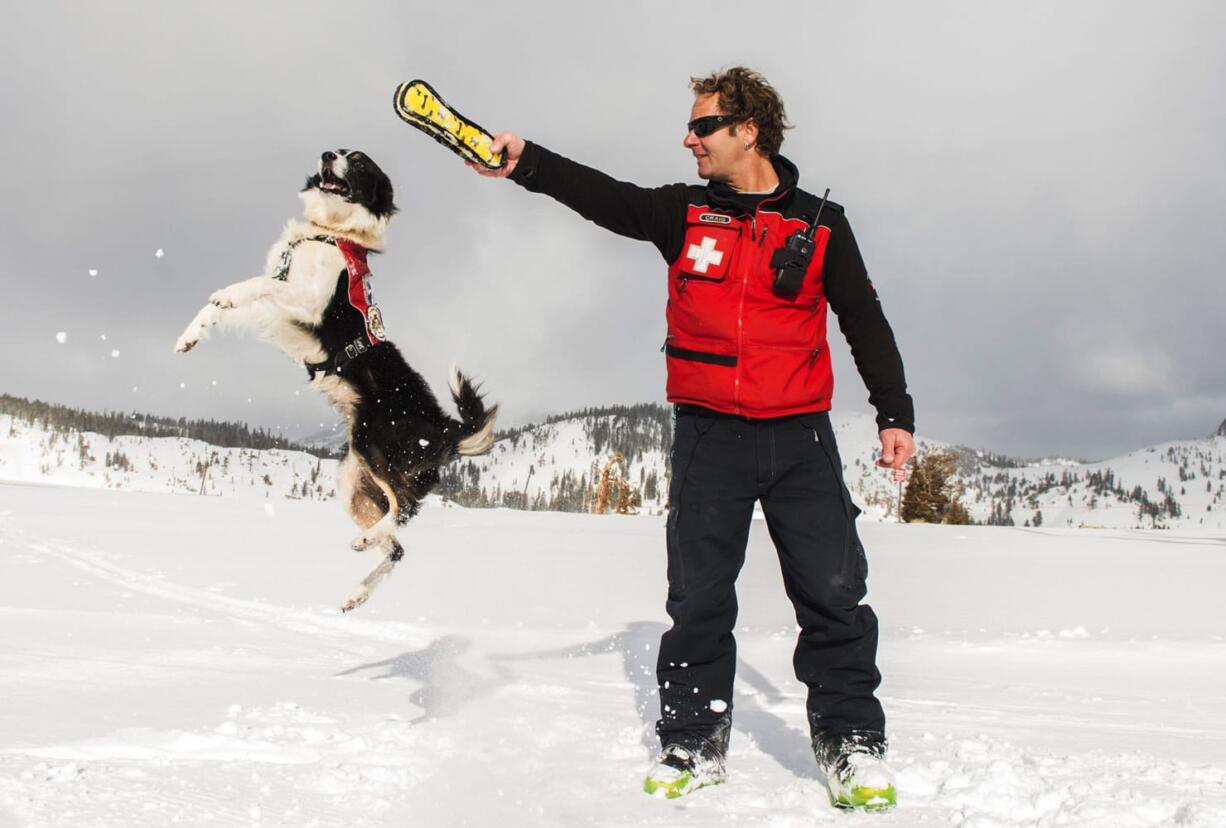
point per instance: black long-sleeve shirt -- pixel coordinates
(657, 215)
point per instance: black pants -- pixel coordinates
(721, 466)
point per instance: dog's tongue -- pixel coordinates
(331, 185)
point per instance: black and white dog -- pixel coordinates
(313, 301)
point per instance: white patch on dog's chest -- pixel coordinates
(314, 270)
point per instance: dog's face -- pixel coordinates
(349, 192)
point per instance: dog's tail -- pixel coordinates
(477, 420)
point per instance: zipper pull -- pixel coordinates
(813, 356)
(665, 345)
(681, 287)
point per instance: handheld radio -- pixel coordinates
(791, 261)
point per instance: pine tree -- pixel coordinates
(932, 494)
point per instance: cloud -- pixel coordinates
(1127, 371)
(1036, 189)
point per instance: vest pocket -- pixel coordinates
(701, 371)
(677, 352)
(706, 253)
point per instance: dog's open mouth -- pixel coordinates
(331, 184)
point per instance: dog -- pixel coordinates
(313, 301)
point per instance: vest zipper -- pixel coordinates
(740, 315)
(813, 356)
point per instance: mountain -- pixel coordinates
(32, 451)
(554, 465)
(557, 466)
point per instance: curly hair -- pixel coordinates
(744, 92)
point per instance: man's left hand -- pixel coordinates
(897, 447)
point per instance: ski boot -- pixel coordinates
(689, 762)
(857, 776)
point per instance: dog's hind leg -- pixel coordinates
(386, 524)
(362, 497)
(393, 552)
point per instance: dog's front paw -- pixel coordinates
(224, 299)
(363, 542)
(186, 342)
(355, 599)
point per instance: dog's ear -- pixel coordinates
(382, 203)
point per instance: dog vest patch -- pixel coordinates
(360, 296)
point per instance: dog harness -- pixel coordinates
(287, 255)
(358, 294)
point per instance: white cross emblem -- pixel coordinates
(704, 255)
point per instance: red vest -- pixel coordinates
(733, 344)
(358, 290)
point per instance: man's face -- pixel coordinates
(718, 153)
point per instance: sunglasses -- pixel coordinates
(704, 126)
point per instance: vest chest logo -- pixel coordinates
(374, 321)
(363, 301)
(705, 254)
(715, 218)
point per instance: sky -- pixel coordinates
(1036, 188)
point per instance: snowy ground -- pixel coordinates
(173, 659)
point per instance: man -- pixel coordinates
(750, 377)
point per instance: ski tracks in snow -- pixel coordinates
(310, 622)
(512, 739)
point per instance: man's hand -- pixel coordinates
(506, 142)
(897, 447)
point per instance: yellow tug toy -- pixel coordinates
(419, 105)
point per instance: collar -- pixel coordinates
(722, 195)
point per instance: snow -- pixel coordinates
(32, 453)
(1191, 474)
(61, 337)
(173, 659)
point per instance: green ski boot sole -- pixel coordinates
(672, 789)
(866, 799)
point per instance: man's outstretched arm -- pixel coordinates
(647, 214)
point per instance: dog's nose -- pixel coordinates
(328, 156)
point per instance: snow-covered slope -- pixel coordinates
(179, 660)
(555, 466)
(1179, 484)
(32, 453)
